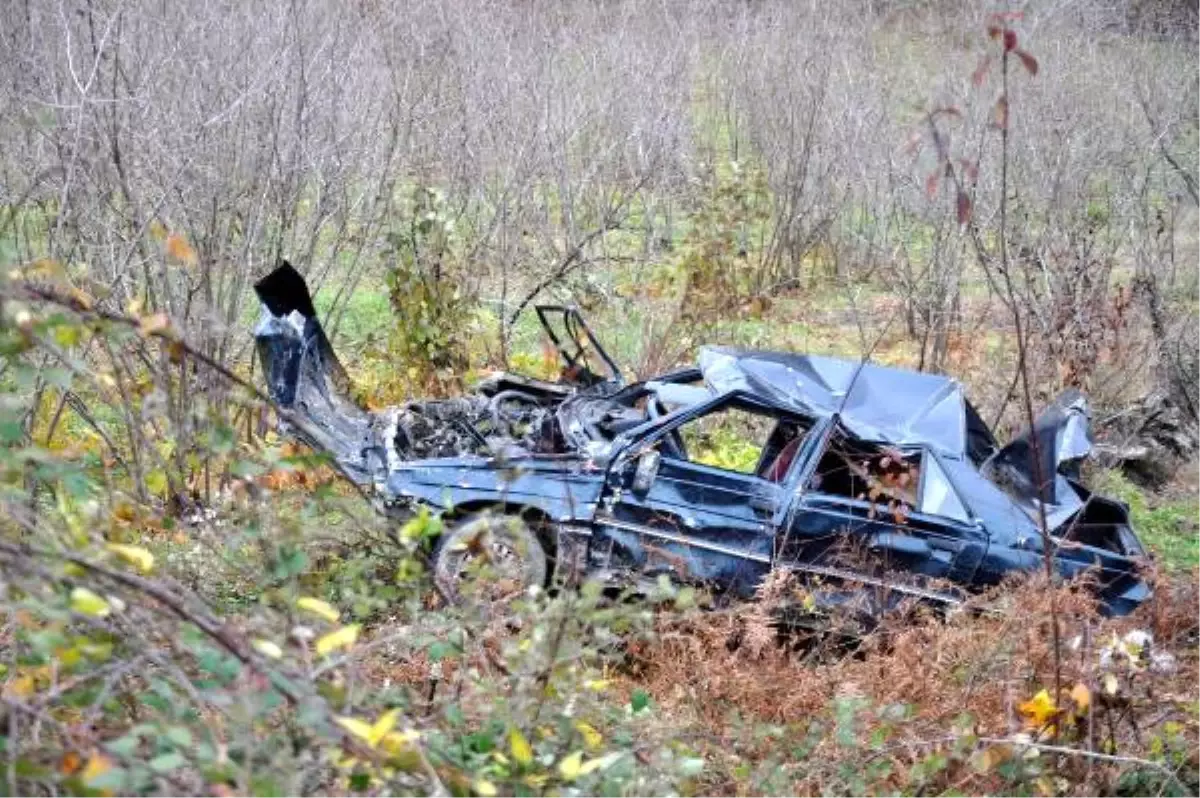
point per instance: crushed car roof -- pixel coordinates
(874, 402)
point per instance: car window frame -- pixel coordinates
(647, 435)
(828, 428)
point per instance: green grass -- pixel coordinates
(1170, 528)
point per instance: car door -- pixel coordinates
(700, 520)
(874, 508)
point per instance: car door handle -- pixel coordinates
(764, 503)
(901, 544)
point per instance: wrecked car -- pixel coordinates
(855, 477)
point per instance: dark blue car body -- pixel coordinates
(873, 477)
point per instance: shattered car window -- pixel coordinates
(730, 438)
(744, 441)
(868, 471)
(938, 496)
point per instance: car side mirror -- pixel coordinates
(646, 471)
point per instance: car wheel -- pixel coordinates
(488, 557)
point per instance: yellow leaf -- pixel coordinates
(179, 249)
(70, 763)
(268, 649)
(570, 766)
(342, 638)
(46, 267)
(596, 684)
(1039, 710)
(591, 737)
(385, 723)
(156, 480)
(68, 657)
(158, 230)
(1082, 696)
(21, 686)
(990, 757)
(97, 766)
(484, 788)
(156, 323)
(134, 555)
(359, 728)
(85, 602)
(83, 300)
(519, 746)
(317, 607)
(398, 742)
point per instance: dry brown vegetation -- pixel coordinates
(915, 687)
(187, 605)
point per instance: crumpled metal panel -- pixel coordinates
(874, 402)
(301, 373)
(1063, 439)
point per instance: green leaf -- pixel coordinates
(222, 439)
(156, 481)
(265, 787)
(11, 431)
(639, 700)
(124, 746)
(155, 701)
(180, 736)
(247, 468)
(167, 762)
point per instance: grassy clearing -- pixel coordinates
(1169, 526)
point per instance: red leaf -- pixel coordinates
(969, 169)
(964, 208)
(1029, 61)
(931, 183)
(1000, 113)
(994, 31)
(981, 71)
(1010, 39)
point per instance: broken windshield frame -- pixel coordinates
(574, 331)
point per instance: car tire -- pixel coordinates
(516, 560)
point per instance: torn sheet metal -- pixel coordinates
(874, 402)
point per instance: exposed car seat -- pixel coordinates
(779, 468)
